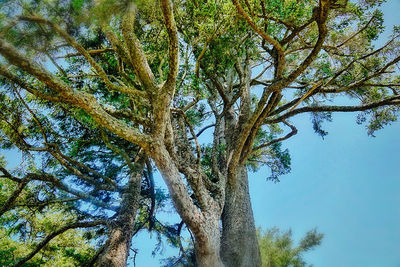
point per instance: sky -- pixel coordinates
(347, 185)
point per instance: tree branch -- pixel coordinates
(63, 186)
(91, 52)
(9, 203)
(88, 57)
(84, 100)
(45, 241)
(292, 133)
(137, 55)
(202, 130)
(263, 34)
(169, 22)
(394, 100)
(13, 78)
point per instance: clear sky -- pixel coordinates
(347, 185)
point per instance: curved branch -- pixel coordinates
(297, 30)
(202, 130)
(87, 55)
(45, 241)
(292, 133)
(321, 16)
(262, 33)
(385, 102)
(137, 55)
(358, 32)
(62, 186)
(9, 203)
(84, 100)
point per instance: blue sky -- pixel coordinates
(347, 185)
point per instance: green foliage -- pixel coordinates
(77, 5)
(378, 118)
(317, 119)
(30, 222)
(278, 249)
(274, 156)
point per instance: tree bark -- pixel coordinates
(208, 250)
(239, 246)
(117, 247)
(202, 221)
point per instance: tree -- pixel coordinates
(60, 190)
(22, 229)
(277, 247)
(304, 54)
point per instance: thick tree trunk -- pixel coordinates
(116, 250)
(208, 249)
(203, 223)
(239, 246)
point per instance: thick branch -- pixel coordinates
(84, 100)
(88, 57)
(262, 33)
(9, 203)
(13, 78)
(137, 55)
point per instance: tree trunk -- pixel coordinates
(203, 223)
(208, 249)
(239, 246)
(116, 250)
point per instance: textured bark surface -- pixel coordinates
(239, 246)
(117, 247)
(208, 252)
(204, 225)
